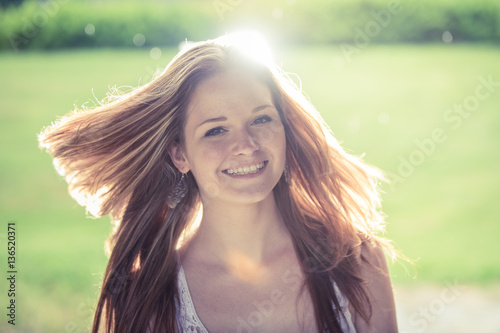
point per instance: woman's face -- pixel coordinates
(234, 139)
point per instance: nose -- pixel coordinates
(245, 143)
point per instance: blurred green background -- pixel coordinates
(386, 75)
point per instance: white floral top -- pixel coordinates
(189, 322)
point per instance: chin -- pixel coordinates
(241, 196)
(251, 196)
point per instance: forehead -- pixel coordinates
(227, 92)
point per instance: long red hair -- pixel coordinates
(115, 159)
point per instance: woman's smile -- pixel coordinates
(247, 171)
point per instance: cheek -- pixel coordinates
(271, 135)
(280, 146)
(206, 166)
(215, 150)
(209, 154)
(273, 138)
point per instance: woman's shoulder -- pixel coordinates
(372, 254)
(375, 272)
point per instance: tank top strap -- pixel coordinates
(188, 320)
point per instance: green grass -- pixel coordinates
(445, 214)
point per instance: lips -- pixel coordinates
(246, 170)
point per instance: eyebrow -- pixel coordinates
(222, 118)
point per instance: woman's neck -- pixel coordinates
(241, 238)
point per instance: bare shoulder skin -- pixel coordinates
(379, 289)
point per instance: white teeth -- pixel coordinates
(245, 170)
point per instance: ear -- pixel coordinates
(178, 157)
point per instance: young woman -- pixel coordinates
(235, 208)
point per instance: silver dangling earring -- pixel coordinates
(179, 192)
(286, 174)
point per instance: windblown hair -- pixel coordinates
(115, 159)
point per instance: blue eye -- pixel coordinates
(215, 131)
(262, 120)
